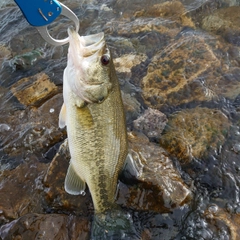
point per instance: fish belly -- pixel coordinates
(98, 147)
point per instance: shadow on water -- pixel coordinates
(180, 59)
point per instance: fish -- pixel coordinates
(94, 117)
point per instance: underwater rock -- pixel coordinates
(26, 60)
(218, 217)
(46, 226)
(33, 130)
(126, 62)
(224, 22)
(19, 190)
(34, 90)
(191, 68)
(192, 133)
(131, 106)
(158, 186)
(151, 123)
(173, 10)
(55, 194)
(5, 53)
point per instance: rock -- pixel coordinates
(5, 53)
(46, 226)
(191, 133)
(126, 62)
(190, 69)
(224, 22)
(34, 90)
(26, 60)
(159, 186)
(56, 196)
(131, 106)
(19, 190)
(218, 217)
(170, 9)
(32, 131)
(151, 123)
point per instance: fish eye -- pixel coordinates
(105, 59)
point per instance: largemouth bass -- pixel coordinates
(94, 116)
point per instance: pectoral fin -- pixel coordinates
(133, 167)
(62, 117)
(74, 185)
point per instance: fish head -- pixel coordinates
(89, 66)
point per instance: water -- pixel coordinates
(179, 57)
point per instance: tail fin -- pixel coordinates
(113, 225)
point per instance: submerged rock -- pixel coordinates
(192, 133)
(158, 185)
(151, 123)
(46, 226)
(56, 196)
(5, 53)
(34, 90)
(32, 130)
(26, 60)
(19, 191)
(218, 217)
(224, 22)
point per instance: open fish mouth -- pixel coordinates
(87, 45)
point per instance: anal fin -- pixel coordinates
(73, 184)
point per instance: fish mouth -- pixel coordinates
(87, 45)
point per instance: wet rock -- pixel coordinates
(56, 196)
(151, 123)
(5, 53)
(131, 106)
(26, 60)
(19, 190)
(33, 130)
(126, 62)
(34, 90)
(159, 186)
(224, 22)
(192, 133)
(169, 76)
(190, 69)
(218, 217)
(168, 9)
(174, 10)
(46, 226)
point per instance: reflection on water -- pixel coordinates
(178, 57)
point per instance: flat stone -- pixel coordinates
(191, 133)
(34, 90)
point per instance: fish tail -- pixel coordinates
(113, 225)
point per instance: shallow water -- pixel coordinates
(179, 57)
